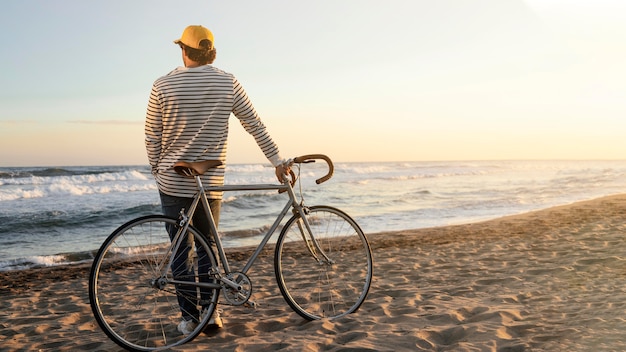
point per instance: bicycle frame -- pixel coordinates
(292, 203)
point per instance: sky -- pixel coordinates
(358, 80)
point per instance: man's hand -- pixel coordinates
(282, 171)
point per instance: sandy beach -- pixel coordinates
(551, 280)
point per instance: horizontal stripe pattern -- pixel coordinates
(187, 120)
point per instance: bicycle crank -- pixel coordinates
(237, 288)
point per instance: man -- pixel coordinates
(187, 120)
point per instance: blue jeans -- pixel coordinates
(187, 295)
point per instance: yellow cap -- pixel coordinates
(193, 35)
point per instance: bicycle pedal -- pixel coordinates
(250, 304)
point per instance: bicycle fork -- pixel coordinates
(307, 236)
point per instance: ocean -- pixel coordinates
(60, 215)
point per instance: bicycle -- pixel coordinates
(140, 272)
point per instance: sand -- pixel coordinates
(552, 280)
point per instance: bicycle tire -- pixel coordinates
(133, 307)
(315, 289)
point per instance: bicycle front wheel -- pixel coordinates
(331, 278)
(139, 295)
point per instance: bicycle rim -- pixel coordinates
(136, 306)
(313, 287)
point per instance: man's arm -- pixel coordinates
(153, 130)
(250, 120)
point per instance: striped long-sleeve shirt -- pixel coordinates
(187, 120)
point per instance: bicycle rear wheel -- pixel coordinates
(313, 286)
(135, 301)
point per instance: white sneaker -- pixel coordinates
(215, 322)
(186, 327)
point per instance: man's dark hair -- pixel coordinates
(204, 55)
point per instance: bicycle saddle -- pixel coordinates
(191, 169)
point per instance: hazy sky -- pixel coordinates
(358, 80)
